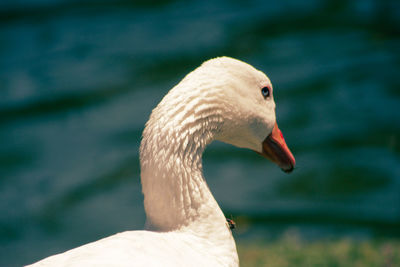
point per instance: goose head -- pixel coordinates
(224, 99)
(249, 119)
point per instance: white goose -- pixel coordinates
(224, 99)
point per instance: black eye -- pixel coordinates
(265, 92)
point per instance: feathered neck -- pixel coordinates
(176, 194)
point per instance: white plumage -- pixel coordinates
(220, 100)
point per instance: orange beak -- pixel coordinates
(276, 150)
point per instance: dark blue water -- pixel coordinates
(78, 80)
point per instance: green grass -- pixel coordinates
(291, 251)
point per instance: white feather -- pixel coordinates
(185, 226)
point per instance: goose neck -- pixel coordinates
(176, 194)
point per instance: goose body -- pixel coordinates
(224, 99)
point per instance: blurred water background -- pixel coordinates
(78, 80)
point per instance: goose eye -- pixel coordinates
(265, 92)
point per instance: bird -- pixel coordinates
(223, 99)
